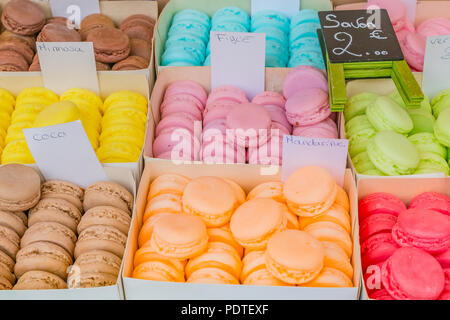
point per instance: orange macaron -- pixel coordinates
(210, 198)
(212, 276)
(342, 198)
(158, 271)
(336, 214)
(168, 183)
(167, 202)
(335, 257)
(223, 234)
(294, 256)
(254, 222)
(310, 191)
(329, 231)
(272, 190)
(331, 278)
(145, 234)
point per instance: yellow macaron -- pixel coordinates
(108, 121)
(17, 152)
(78, 95)
(37, 95)
(6, 106)
(128, 112)
(118, 150)
(5, 119)
(124, 96)
(57, 113)
(128, 104)
(7, 96)
(15, 131)
(123, 131)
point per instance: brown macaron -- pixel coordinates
(23, 17)
(29, 40)
(6, 273)
(131, 63)
(141, 19)
(139, 31)
(108, 193)
(43, 256)
(13, 222)
(51, 232)
(106, 216)
(18, 46)
(12, 61)
(99, 261)
(21, 215)
(20, 187)
(102, 66)
(9, 242)
(56, 32)
(5, 284)
(110, 44)
(141, 48)
(63, 190)
(94, 21)
(39, 280)
(90, 279)
(35, 64)
(7, 260)
(101, 238)
(59, 20)
(55, 210)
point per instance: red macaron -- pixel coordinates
(433, 201)
(380, 202)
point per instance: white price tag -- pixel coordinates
(437, 65)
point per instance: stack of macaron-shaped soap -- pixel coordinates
(7, 104)
(102, 235)
(304, 45)
(307, 104)
(178, 134)
(123, 127)
(397, 242)
(387, 138)
(198, 231)
(29, 103)
(276, 27)
(20, 191)
(187, 39)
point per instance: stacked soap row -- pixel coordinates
(127, 48)
(207, 230)
(387, 138)
(237, 131)
(289, 43)
(118, 136)
(43, 254)
(397, 242)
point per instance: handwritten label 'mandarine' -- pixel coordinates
(42, 46)
(311, 142)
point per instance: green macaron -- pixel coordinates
(440, 102)
(426, 142)
(442, 128)
(362, 163)
(393, 154)
(432, 163)
(373, 172)
(385, 114)
(359, 131)
(357, 104)
(423, 121)
(425, 105)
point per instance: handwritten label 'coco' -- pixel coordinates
(239, 59)
(66, 65)
(437, 65)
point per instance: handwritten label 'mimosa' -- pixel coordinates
(436, 67)
(66, 65)
(238, 59)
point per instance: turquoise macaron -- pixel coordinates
(305, 16)
(227, 26)
(275, 34)
(305, 43)
(304, 30)
(207, 61)
(307, 57)
(191, 15)
(272, 19)
(232, 14)
(186, 40)
(192, 28)
(182, 54)
(276, 55)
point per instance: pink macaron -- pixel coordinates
(433, 201)
(324, 129)
(270, 98)
(434, 27)
(181, 140)
(222, 152)
(250, 124)
(396, 10)
(183, 98)
(178, 106)
(413, 48)
(376, 223)
(377, 248)
(219, 103)
(278, 114)
(187, 87)
(229, 93)
(219, 112)
(180, 120)
(218, 124)
(279, 129)
(307, 107)
(413, 274)
(304, 77)
(444, 259)
(381, 294)
(380, 202)
(422, 228)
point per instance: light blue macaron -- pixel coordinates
(186, 40)
(304, 30)
(305, 16)
(307, 57)
(305, 43)
(232, 14)
(207, 61)
(182, 54)
(228, 27)
(271, 18)
(274, 34)
(191, 15)
(208, 48)
(190, 28)
(277, 56)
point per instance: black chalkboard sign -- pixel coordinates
(359, 36)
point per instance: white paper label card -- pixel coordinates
(66, 65)
(288, 7)
(74, 10)
(436, 67)
(63, 152)
(411, 7)
(330, 154)
(238, 59)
